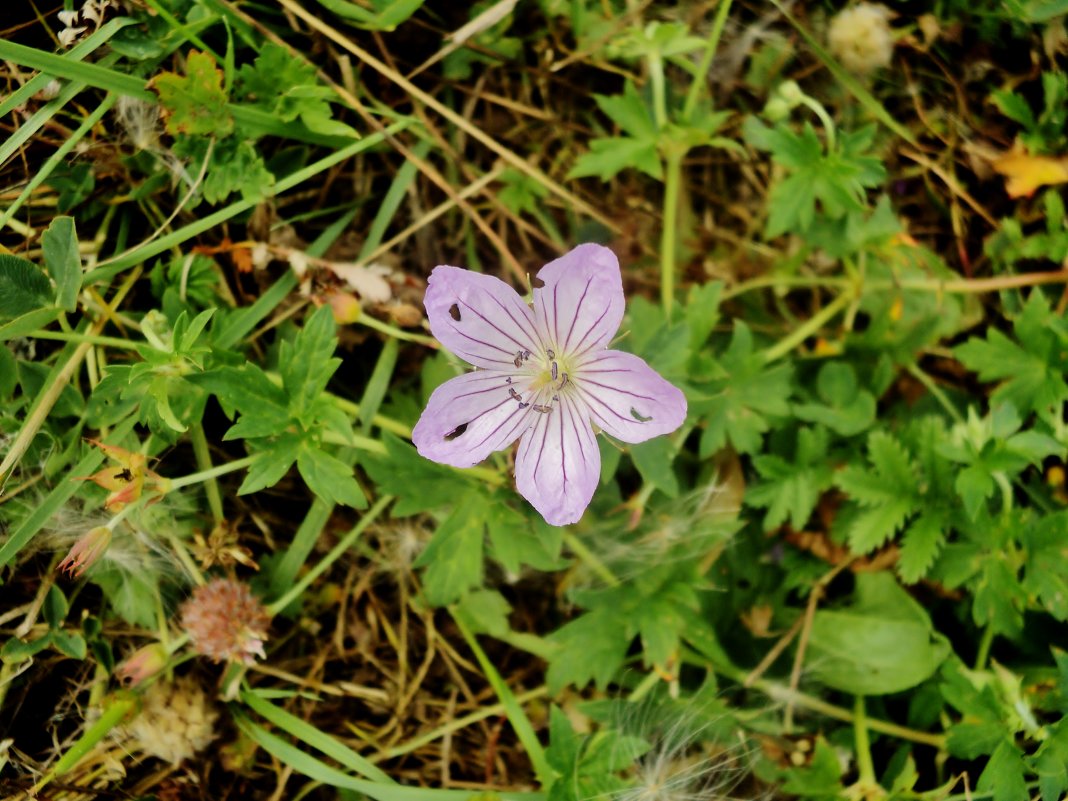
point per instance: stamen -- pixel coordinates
(555, 369)
(549, 352)
(542, 409)
(523, 405)
(515, 395)
(563, 381)
(508, 380)
(518, 360)
(526, 355)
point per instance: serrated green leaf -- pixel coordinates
(453, 558)
(791, 488)
(920, 544)
(629, 112)
(271, 464)
(329, 477)
(609, 156)
(655, 461)
(194, 103)
(59, 245)
(307, 362)
(418, 483)
(591, 648)
(1004, 775)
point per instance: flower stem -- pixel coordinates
(335, 553)
(656, 80)
(203, 457)
(213, 472)
(669, 232)
(700, 78)
(825, 118)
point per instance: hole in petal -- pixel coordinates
(454, 312)
(456, 432)
(639, 416)
(538, 283)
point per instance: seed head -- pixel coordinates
(176, 720)
(861, 38)
(226, 621)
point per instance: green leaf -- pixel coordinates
(263, 406)
(889, 489)
(882, 643)
(792, 487)
(59, 244)
(55, 607)
(194, 103)
(16, 650)
(737, 407)
(70, 644)
(629, 111)
(591, 648)
(306, 362)
(23, 287)
(330, 478)
(132, 594)
(655, 460)
(419, 484)
(920, 544)
(1032, 370)
(453, 558)
(486, 612)
(271, 464)
(1003, 776)
(609, 156)
(1014, 107)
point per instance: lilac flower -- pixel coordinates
(545, 378)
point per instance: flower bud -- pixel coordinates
(776, 110)
(86, 551)
(143, 664)
(791, 93)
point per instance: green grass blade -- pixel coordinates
(253, 121)
(310, 735)
(58, 157)
(139, 255)
(76, 53)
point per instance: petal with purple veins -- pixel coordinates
(627, 398)
(478, 317)
(578, 300)
(558, 465)
(469, 417)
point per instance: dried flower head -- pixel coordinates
(176, 720)
(226, 621)
(860, 37)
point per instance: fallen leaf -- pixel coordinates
(1024, 173)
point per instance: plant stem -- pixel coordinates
(335, 553)
(669, 232)
(656, 81)
(592, 561)
(983, 652)
(865, 766)
(203, 457)
(212, 473)
(825, 119)
(516, 716)
(700, 78)
(809, 327)
(936, 392)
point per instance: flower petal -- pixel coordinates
(627, 398)
(469, 417)
(558, 464)
(478, 317)
(578, 300)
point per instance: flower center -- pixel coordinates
(546, 376)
